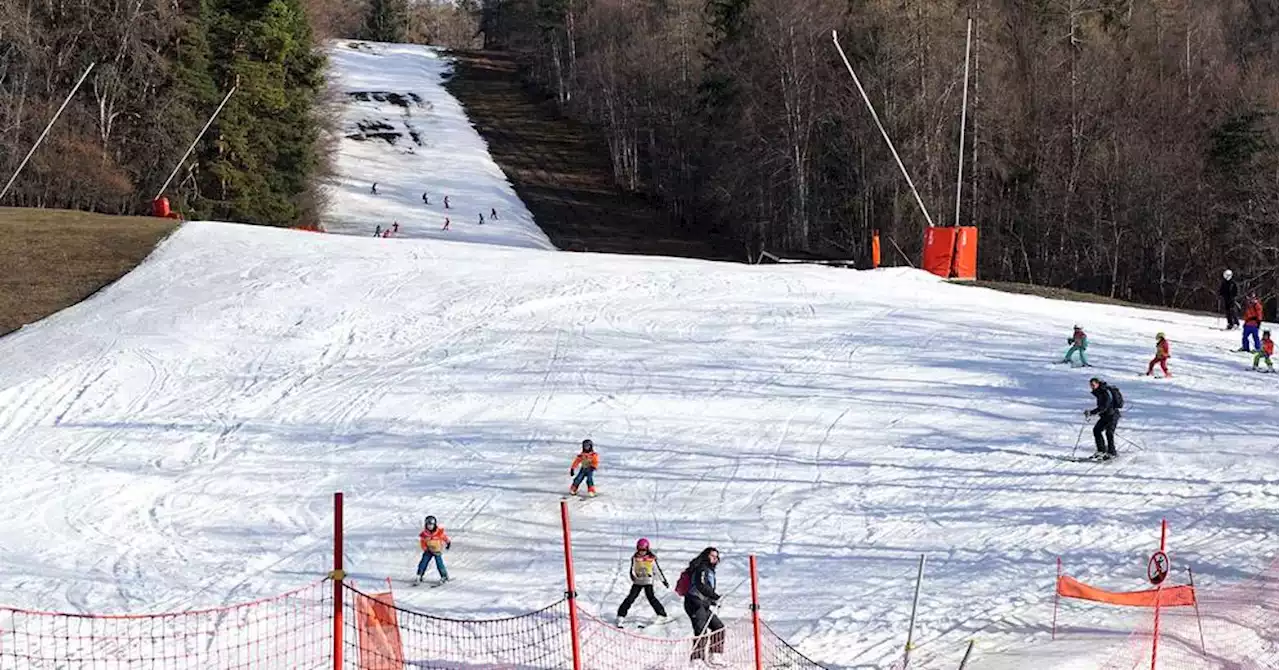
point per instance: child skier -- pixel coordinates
(1252, 321)
(1268, 348)
(1162, 355)
(589, 460)
(1079, 342)
(644, 564)
(434, 543)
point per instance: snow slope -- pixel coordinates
(403, 131)
(174, 440)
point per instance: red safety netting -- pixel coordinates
(292, 630)
(1237, 629)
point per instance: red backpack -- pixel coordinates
(683, 583)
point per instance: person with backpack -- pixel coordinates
(1110, 401)
(1252, 322)
(698, 586)
(434, 542)
(1227, 293)
(585, 465)
(1268, 348)
(644, 565)
(1162, 355)
(1079, 341)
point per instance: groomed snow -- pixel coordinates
(400, 129)
(174, 441)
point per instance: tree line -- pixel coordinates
(1122, 147)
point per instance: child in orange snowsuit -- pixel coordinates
(1268, 348)
(585, 464)
(1162, 355)
(434, 542)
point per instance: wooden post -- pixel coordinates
(571, 593)
(337, 576)
(755, 612)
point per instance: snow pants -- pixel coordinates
(1066, 358)
(1261, 356)
(425, 562)
(635, 593)
(1106, 425)
(1250, 330)
(706, 626)
(1229, 311)
(1161, 361)
(588, 474)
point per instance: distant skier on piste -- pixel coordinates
(1110, 401)
(1162, 356)
(644, 565)
(1265, 353)
(1079, 341)
(434, 542)
(584, 468)
(698, 586)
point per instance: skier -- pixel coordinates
(698, 601)
(1108, 413)
(482, 218)
(1079, 342)
(1162, 355)
(1252, 320)
(377, 230)
(446, 223)
(374, 189)
(589, 460)
(493, 214)
(644, 564)
(1268, 348)
(446, 202)
(425, 199)
(1227, 292)
(395, 228)
(434, 543)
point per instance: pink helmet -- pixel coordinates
(642, 544)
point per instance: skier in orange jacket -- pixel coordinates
(434, 542)
(585, 465)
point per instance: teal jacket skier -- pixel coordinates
(1079, 342)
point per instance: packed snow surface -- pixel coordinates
(401, 131)
(174, 441)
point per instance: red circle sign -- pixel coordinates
(1158, 567)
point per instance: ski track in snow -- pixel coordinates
(174, 441)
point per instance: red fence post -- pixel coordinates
(337, 576)
(1054, 634)
(572, 593)
(1155, 632)
(755, 612)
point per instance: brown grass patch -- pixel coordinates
(53, 258)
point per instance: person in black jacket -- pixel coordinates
(700, 599)
(1227, 292)
(1108, 417)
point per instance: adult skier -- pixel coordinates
(1079, 341)
(585, 465)
(644, 565)
(1108, 413)
(434, 542)
(698, 601)
(1252, 322)
(1227, 293)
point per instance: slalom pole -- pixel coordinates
(570, 593)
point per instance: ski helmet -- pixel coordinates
(588, 445)
(1159, 336)
(1226, 274)
(642, 544)
(429, 522)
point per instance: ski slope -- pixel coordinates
(401, 130)
(174, 440)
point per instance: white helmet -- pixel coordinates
(1226, 274)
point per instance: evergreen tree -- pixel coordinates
(386, 21)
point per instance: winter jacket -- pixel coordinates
(644, 565)
(1162, 348)
(587, 460)
(1079, 340)
(1253, 314)
(702, 585)
(1105, 405)
(435, 541)
(1227, 290)
(1268, 347)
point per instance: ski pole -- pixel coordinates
(1079, 436)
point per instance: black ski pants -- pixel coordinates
(635, 593)
(706, 626)
(1229, 311)
(1106, 425)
